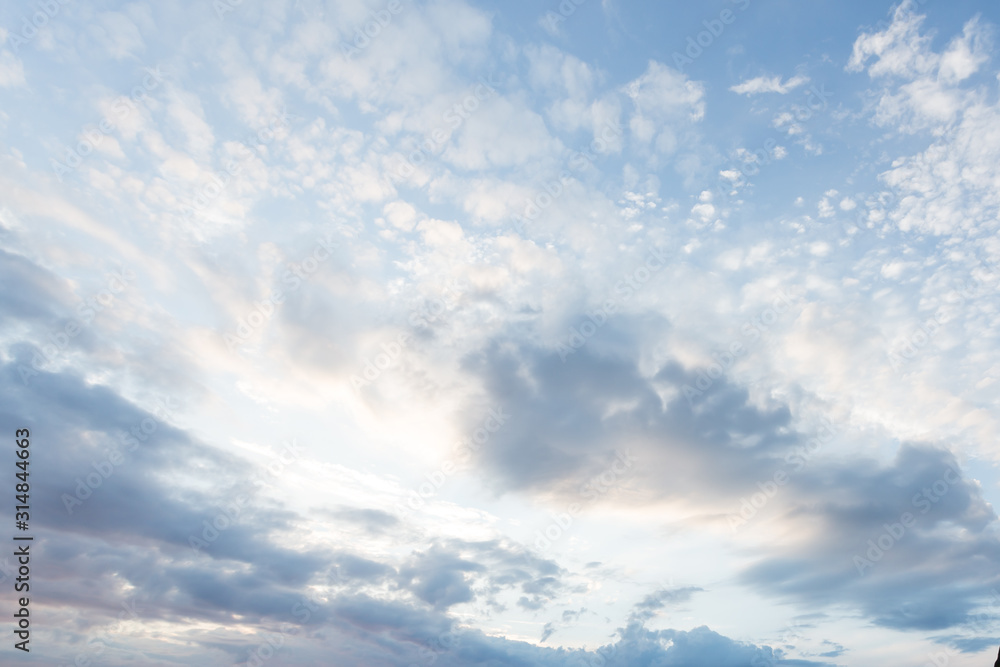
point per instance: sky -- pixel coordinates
(400, 333)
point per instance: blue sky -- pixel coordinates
(504, 334)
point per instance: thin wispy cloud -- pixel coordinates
(769, 84)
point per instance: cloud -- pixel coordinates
(915, 583)
(899, 50)
(665, 101)
(574, 415)
(350, 566)
(604, 160)
(117, 34)
(436, 577)
(635, 645)
(567, 427)
(373, 520)
(769, 84)
(650, 606)
(920, 85)
(700, 645)
(11, 70)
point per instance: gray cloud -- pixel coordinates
(568, 417)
